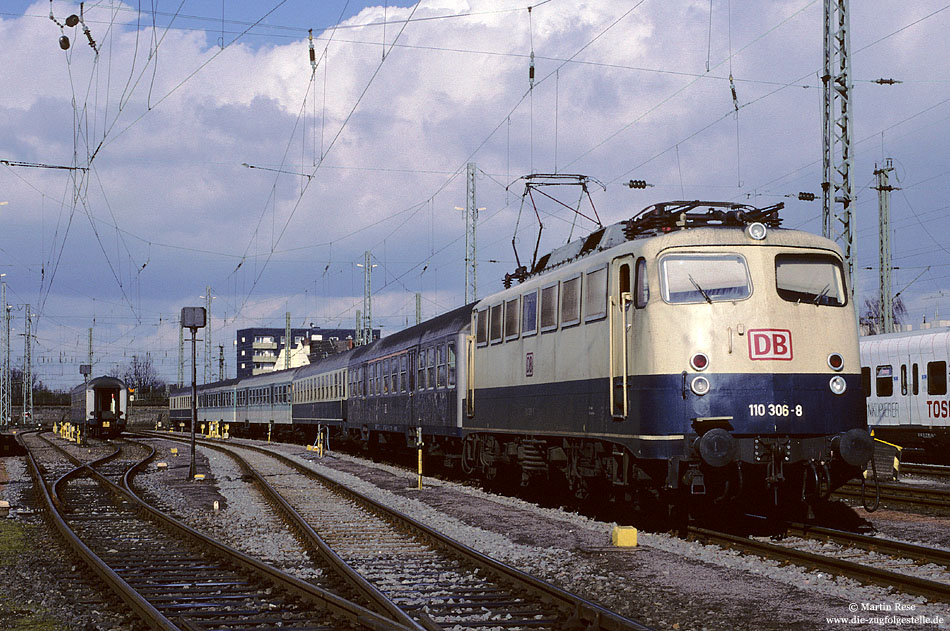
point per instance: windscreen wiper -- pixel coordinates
(700, 289)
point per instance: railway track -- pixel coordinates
(900, 494)
(871, 553)
(172, 577)
(439, 582)
(935, 470)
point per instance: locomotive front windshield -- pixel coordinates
(692, 278)
(810, 278)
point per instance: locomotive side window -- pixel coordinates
(904, 379)
(696, 278)
(549, 308)
(916, 383)
(571, 301)
(512, 319)
(495, 327)
(810, 278)
(936, 377)
(884, 384)
(595, 295)
(481, 327)
(529, 314)
(642, 294)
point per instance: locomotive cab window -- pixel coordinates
(642, 294)
(810, 278)
(697, 278)
(936, 377)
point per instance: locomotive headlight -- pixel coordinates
(838, 384)
(756, 231)
(835, 362)
(699, 386)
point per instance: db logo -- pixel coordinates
(770, 344)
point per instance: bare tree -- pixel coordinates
(139, 374)
(871, 321)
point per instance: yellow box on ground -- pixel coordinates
(624, 537)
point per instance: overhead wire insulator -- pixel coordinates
(732, 86)
(806, 197)
(313, 53)
(638, 184)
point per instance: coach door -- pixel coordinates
(618, 321)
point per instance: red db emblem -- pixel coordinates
(770, 344)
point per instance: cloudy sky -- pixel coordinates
(212, 154)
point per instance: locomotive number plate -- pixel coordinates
(778, 410)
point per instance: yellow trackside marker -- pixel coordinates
(199, 476)
(161, 465)
(624, 537)
(174, 451)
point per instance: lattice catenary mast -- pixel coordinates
(837, 158)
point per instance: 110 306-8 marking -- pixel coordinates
(780, 410)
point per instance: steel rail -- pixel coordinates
(901, 494)
(937, 556)
(315, 542)
(863, 573)
(581, 611)
(135, 601)
(938, 470)
(303, 590)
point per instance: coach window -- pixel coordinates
(481, 327)
(450, 352)
(904, 379)
(403, 380)
(529, 314)
(421, 370)
(549, 308)
(394, 367)
(642, 294)
(386, 374)
(441, 367)
(884, 383)
(916, 381)
(496, 324)
(595, 295)
(430, 370)
(936, 377)
(512, 319)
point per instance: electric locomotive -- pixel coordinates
(696, 353)
(100, 406)
(695, 350)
